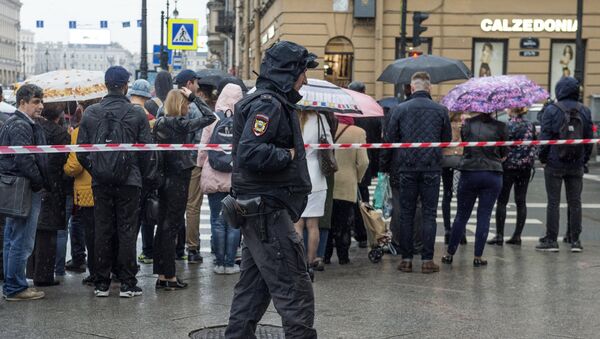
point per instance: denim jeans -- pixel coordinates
(447, 182)
(19, 238)
(225, 238)
(77, 234)
(323, 235)
(61, 240)
(415, 186)
(486, 186)
(573, 179)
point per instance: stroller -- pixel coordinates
(378, 236)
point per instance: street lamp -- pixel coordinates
(144, 51)
(175, 11)
(24, 69)
(47, 54)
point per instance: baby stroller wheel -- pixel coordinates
(375, 255)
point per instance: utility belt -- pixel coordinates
(236, 211)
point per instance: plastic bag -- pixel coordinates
(383, 195)
(379, 191)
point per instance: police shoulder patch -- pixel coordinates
(261, 123)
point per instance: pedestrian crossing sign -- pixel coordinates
(182, 34)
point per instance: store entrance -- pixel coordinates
(339, 60)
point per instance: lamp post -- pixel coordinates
(580, 51)
(23, 56)
(144, 51)
(47, 54)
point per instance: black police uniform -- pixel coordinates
(273, 264)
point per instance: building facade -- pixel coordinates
(55, 56)
(9, 37)
(26, 54)
(357, 39)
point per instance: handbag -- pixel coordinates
(15, 196)
(327, 160)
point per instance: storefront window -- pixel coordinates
(489, 57)
(339, 59)
(562, 61)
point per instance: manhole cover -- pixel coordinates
(218, 332)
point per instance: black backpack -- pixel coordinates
(222, 161)
(571, 128)
(111, 168)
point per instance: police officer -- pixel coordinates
(270, 165)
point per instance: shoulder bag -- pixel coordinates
(15, 196)
(327, 160)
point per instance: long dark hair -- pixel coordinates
(163, 84)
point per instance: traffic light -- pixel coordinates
(418, 18)
(414, 53)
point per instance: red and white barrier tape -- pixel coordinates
(223, 147)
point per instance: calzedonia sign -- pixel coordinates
(528, 25)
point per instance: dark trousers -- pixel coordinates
(85, 217)
(274, 268)
(573, 179)
(520, 180)
(2, 222)
(473, 185)
(40, 265)
(448, 184)
(77, 239)
(148, 240)
(342, 219)
(116, 212)
(414, 187)
(172, 199)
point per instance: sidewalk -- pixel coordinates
(522, 293)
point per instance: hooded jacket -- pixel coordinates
(213, 181)
(567, 93)
(266, 127)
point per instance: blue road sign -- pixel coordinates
(156, 54)
(182, 34)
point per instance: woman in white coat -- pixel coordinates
(312, 124)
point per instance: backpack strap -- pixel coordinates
(561, 106)
(340, 134)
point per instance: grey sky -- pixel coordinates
(88, 13)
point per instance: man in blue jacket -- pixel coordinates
(21, 130)
(415, 173)
(564, 164)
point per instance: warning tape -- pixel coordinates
(224, 147)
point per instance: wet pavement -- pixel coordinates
(521, 294)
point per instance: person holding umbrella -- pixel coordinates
(481, 179)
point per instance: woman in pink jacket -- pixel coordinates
(216, 185)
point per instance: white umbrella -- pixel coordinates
(6, 108)
(321, 95)
(70, 85)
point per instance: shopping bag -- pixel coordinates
(380, 190)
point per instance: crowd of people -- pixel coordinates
(103, 200)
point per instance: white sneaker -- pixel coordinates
(232, 270)
(219, 270)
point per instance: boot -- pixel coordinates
(497, 240)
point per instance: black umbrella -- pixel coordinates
(439, 68)
(211, 77)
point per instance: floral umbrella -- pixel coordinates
(69, 85)
(492, 94)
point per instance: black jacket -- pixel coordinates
(52, 213)
(266, 126)
(419, 119)
(483, 128)
(176, 130)
(138, 131)
(567, 93)
(20, 130)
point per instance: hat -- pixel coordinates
(141, 88)
(184, 76)
(116, 77)
(284, 62)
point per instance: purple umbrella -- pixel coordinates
(492, 94)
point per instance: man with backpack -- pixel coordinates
(116, 180)
(564, 119)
